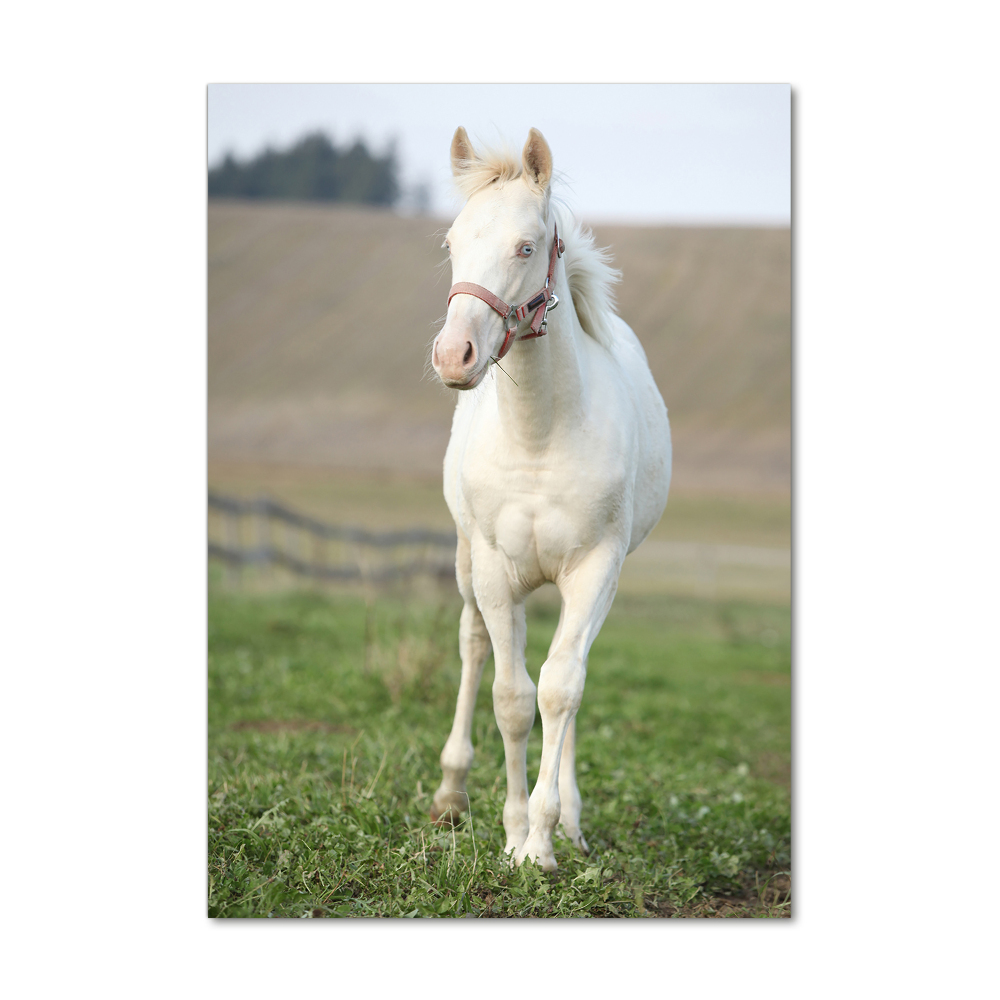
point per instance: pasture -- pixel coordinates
(328, 710)
(327, 713)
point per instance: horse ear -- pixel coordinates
(537, 159)
(462, 153)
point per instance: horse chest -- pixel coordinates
(535, 516)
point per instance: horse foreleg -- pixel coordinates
(587, 594)
(513, 690)
(451, 799)
(514, 708)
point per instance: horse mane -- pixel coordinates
(591, 277)
(496, 165)
(589, 272)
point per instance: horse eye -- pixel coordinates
(446, 246)
(526, 250)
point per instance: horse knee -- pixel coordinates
(457, 756)
(514, 706)
(560, 686)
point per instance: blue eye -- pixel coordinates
(526, 250)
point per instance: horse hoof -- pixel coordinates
(573, 834)
(539, 853)
(446, 817)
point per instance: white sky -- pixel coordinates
(630, 152)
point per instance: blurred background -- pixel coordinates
(327, 282)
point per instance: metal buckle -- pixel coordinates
(553, 302)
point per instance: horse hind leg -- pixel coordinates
(451, 799)
(570, 802)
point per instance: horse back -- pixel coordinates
(654, 450)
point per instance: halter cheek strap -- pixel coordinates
(539, 302)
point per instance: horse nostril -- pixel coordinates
(468, 353)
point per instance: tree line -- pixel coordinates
(313, 169)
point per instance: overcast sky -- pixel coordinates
(711, 153)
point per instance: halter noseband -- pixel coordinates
(539, 302)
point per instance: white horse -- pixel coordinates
(557, 468)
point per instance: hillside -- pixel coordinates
(319, 320)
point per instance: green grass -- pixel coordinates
(327, 715)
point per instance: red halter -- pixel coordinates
(539, 302)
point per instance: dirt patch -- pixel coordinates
(761, 894)
(764, 894)
(763, 677)
(774, 767)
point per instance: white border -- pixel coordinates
(896, 355)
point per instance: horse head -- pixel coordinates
(500, 253)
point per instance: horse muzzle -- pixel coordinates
(456, 360)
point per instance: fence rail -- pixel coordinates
(263, 534)
(301, 544)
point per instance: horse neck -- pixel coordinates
(545, 387)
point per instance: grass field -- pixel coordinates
(327, 714)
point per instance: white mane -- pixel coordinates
(588, 267)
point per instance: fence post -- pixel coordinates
(263, 525)
(304, 535)
(233, 567)
(319, 554)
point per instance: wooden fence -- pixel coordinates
(271, 541)
(263, 533)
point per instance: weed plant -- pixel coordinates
(327, 714)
